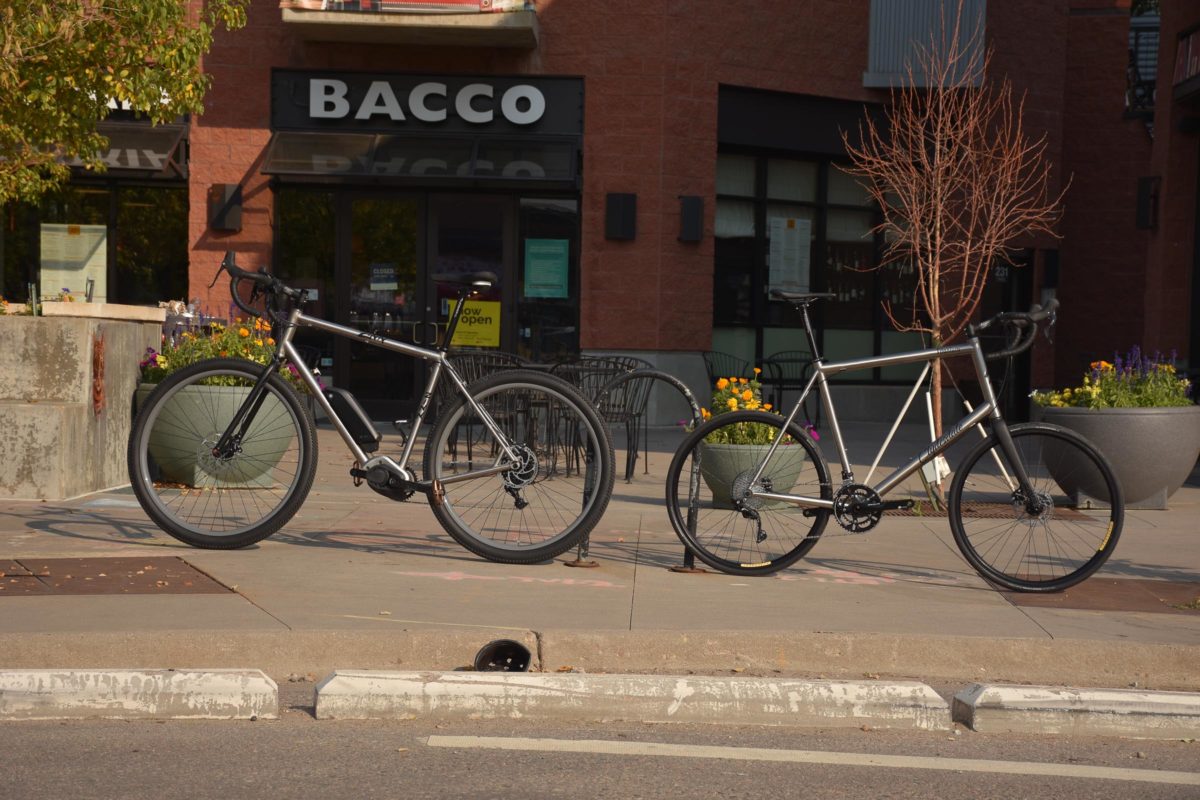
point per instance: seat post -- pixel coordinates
(808, 331)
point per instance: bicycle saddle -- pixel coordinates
(801, 298)
(479, 280)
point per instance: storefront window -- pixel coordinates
(797, 224)
(129, 240)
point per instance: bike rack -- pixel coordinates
(689, 559)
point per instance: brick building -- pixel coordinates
(632, 170)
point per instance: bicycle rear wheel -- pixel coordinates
(545, 503)
(212, 501)
(1047, 542)
(706, 482)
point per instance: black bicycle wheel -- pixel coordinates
(209, 501)
(540, 505)
(1047, 542)
(707, 481)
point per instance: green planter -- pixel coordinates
(721, 464)
(183, 452)
(1152, 450)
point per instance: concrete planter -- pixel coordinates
(1152, 450)
(69, 380)
(720, 464)
(184, 456)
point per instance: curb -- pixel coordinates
(937, 660)
(642, 698)
(1089, 712)
(41, 694)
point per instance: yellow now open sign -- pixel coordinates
(479, 325)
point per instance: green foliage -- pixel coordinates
(61, 61)
(1135, 381)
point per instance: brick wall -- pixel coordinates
(651, 72)
(1103, 255)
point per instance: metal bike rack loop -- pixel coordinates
(689, 559)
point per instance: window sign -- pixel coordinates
(383, 277)
(789, 253)
(546, 262)
(479, 325)
(70, 255)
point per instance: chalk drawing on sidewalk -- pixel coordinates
(467, 576)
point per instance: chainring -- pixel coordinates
(850, 507)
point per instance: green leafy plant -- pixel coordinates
(242, 339)
(64, 62)
(1134, 381)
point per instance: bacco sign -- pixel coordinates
(451, 103)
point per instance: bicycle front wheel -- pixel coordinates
(707, 482)
(214, 501)
(547, 500)
(1048, 541)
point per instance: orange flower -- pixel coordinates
(722, 383)
(742, 380)
(757, 371)
(270, 341)
(243, 332)
(747, 395)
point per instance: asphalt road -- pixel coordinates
(300, 757)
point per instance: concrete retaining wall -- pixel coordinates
(58, 441)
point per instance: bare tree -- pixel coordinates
(957, 181)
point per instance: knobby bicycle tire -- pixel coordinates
(208, 501)
(706, 480)
(1050, 542)
(545, 504)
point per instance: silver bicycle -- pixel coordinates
(518, 467)
(1034, 507)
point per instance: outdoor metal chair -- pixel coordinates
(473, 366)
(788, 370)
(624, 403)
(724, 365)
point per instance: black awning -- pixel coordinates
(421, 159)
(141, 150)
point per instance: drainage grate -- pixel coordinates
(49, 576)
(1118, 594)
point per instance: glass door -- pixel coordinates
(470, 233)
(380, 253)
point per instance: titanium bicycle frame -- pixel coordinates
(286, 352)
(822, 371)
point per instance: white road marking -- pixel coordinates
(604, 747)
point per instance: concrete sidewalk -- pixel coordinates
(359, 582)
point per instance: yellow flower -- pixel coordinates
(732, 404)
(722, 383)
(705, 413)
(743, 380)
(243, 332)
(747, 395)
(161, 360)
(258, 342)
